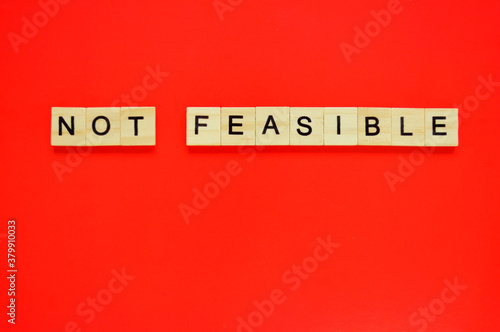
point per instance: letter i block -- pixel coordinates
(68, 126)
(408, 126)
(441, 127)
(374, 126)
(238, 126)
(103, 126)
(272, 125)
(341, 125)
(203, 126)
(138, 126)
(306, 126)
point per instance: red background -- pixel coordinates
(119, 207)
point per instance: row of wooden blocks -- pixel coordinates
(322, 126)
(93, 126)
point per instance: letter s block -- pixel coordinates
(103, 126)
(68, 126)
(138, 126)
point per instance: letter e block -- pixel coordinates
(138, 126)
(203, 126)
(68, 126)
(441, 127)
(238, 125)
(103, 126)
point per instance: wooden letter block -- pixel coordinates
(341, 125)
(238, 126)
(68, 126)
(374, 126)
(138, 126)
(203, 126)
(441, 127)
(103, 126)
(408, 126)
(306, 125)
(272, 125)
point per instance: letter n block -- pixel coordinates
(374, 126)
(103, 126)
(68, 126)
(203, 126)
(138, 126)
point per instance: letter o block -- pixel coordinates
(103, 126)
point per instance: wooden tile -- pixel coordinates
(408, 126)
(138, 126)
(203, 126)
(272, 125)
(341, 125)
(103, 126)
(441, 127)
(374, 126)
(238, 126)
(306, 125)
(68, 126)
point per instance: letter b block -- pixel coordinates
(374, 126)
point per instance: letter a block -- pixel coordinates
(68, 126)
(103, 126)
(138, 126)
(272, 125)
(203, 126)
(374, 126)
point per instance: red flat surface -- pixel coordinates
(119, 208)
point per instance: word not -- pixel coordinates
(29, 30)
(292, 277)
(103, 126)
(428, 314)
(216, 126)
(11, 271)
(104, 297)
